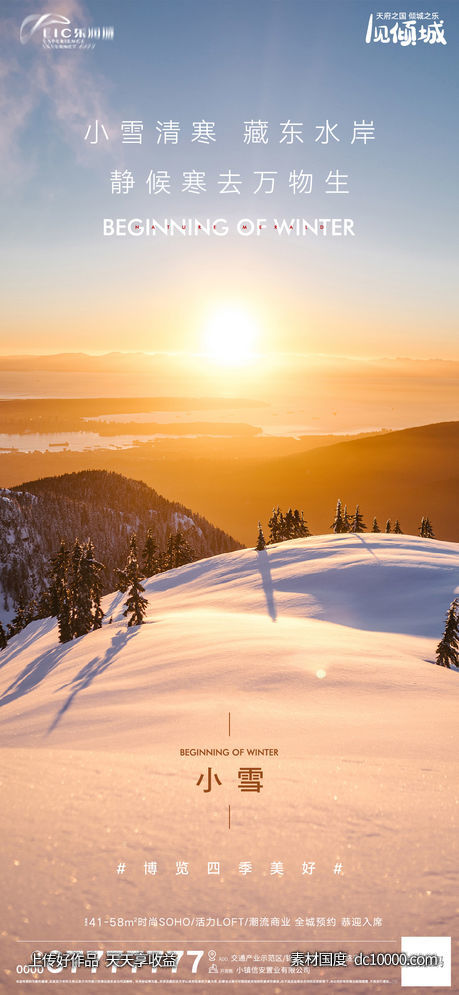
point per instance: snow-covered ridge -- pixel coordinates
(386, 583)
(355, 612)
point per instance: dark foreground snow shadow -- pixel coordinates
(91, 670)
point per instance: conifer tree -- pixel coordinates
(73, 583)
(447, 654)
(150, 555)
(304, 529)
(123, 583)
(388, 526)
(92, 578)
(397, 528)
(261, 544)
(346, 521)
(282, 527)
(428, 530)
(98, 615)
(44, 605)
(375, 526)
(274, 526)
(169, 556)
(136, 605)
(23, 616)
(64, 616)
(59, 593)
(3, 639)
(178, 552)
(80, 590)
(289, 525)
(32, 611)
(183, 551)
(337, 525)
(297, 525)
(123, 575)
(357, 521)
(162, 561)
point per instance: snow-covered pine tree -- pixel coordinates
(80, 589)
(123, 583)
(289, 525)
(261, 544)
(388, 526)
(136, 605)
(274, 526)
(346, 521)
(64, 616)
(169, 554)
(24, 615)
(282, 527)
(178, 552)
(375, 526)
(123, 575)
(73, 582)
(397, 528)
(304, 529)
(32, 611)
(428, 530)
(3, 639)
(59, 594)
(447, 654)
(44, 605)
(92, 577)
(337, 525)
(357, 524)
(422, 528)
(183, 551)
(98, 615)
(150, 555)
(64, 619)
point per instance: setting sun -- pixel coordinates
(231, 335)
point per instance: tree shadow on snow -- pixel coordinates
(266, 580)
(91, 670)
(22, 640)
(34, 673)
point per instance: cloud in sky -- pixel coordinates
(70, 88)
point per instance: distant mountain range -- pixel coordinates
(404, 474)
(93, 503)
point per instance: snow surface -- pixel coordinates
(321, 648)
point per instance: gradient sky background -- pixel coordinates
(390, 291)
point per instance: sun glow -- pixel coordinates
(230, 336)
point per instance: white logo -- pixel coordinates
(57, 32)
(33, 22)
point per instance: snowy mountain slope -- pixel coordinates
(243, 621)
(320, 648)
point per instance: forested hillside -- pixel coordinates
(104, 506)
